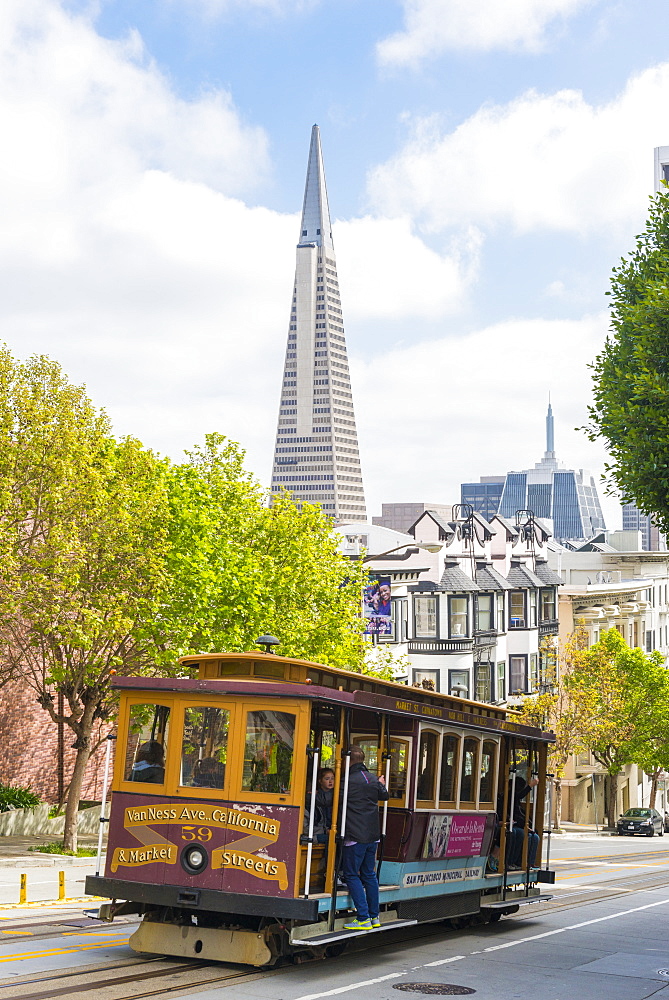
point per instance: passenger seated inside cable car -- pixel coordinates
(325, 782)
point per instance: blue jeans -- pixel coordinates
(359, 873)
(515, 846)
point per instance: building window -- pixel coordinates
(457, 617)
(548, 605)
(425, 617)
(534, 678)
(501, 680)
(518, 675)
(500, 613)
(484, 613)
(427, 679)
(517, 609)
(458, 679)
(533, 608)
(483, 681)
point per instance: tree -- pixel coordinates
(631, 375)
(82, 547)
(239, 567)
(624, 689)
(564, 711)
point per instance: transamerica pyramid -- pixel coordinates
(316, 454)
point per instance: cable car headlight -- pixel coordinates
(194, 859)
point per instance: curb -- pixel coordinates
(71, 900)
(35, 860)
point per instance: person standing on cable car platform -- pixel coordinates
(361, 837)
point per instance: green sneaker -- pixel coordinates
(375, 921)
(358, 925)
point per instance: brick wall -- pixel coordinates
(29, 747)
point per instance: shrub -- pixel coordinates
(15, 797)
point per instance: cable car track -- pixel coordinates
(231, 977)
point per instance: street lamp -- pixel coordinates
(428, 546)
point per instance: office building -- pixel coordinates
(652, 539)
(567, 498)
(400, 516)
(316, 453)
(484, 496)
(661, 163)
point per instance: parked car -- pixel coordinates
(638, 820)
(666, 821)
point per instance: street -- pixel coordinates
(604, 936)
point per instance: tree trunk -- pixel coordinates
(558, 803)
(653, 787)
(612, 801)
(74, 795)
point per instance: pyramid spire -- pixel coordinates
(315, 226)
(316, 454)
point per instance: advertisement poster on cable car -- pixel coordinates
(454, 837)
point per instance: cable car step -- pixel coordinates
(340, 935)
(516, 901)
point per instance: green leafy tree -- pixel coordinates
(566, 711)
(82, 550)
(631, 375)
(624, 689)
(239, 567)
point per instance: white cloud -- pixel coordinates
(127, 253)
(542, 161)
(448, 411)
(388, 272)
(434, 26)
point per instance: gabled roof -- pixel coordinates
(445, 529)
(546, 574)
(510, 527)
(521, 576)
(454, 579)
(488, 578)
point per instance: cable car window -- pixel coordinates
(449, 768)
(399, 764)
(268, 753)
(488, 767)
(204, 750)
(146, 745)
(371, 748)
(469, 770)
(427, 767)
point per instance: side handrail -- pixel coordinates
(314, 754)
(103, 804)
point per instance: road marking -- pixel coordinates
(22, 956)
(17, 932)
(355, 986)
(573, 927)
(499, 947)
(443, 961)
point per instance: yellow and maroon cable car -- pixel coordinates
(210, 838)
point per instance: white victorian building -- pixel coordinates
(471, 600)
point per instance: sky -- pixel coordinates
(487, 165)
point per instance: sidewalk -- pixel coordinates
(572, 830)
(14, 853)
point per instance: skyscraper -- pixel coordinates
(316, 453)
(566, 497)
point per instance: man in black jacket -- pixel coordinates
(361, 836)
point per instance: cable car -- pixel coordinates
(210, 838)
